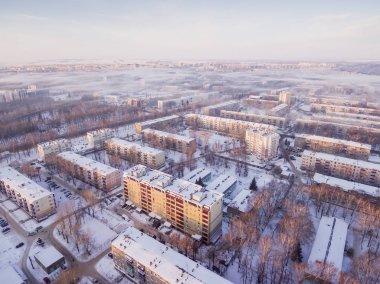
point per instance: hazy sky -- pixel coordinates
(247, 30)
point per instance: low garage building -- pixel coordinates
(49, 259)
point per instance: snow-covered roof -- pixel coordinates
(197, 173)
(240, 202)
(157, 120)
(279, 107)
(58, 142)
(48, 256)
(183, 188)
(137, 147)
(334, 140)
(329, 242)
(87, 163)
(262, 116)
(168, 134)
(168, 264)
(103, 131)
(341, 160)
(22, 184)
(222, 183)
(223, 104)
(10, 276)
(347, 185)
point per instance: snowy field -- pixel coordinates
(10, 255)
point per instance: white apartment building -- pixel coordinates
(258, 118)
(349, 109)
(285, 98)
(216, 109)
(145, 260)
(157, 123)
(97, 138)
(35, 200)
(341, 167)
(136, 153)
(262, 143)
(47, 149)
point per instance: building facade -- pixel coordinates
(47, 150)
(169, 141)
(226, 125)
(97, 174)
(349, 109)
(280, 110)
(341, 167)
(216, 109)
(145, 260)
(285, 98)
(35, 200)
(187, 206)
(157, 123)
(97, 138)
(136, 153)
(262, 143)
(258, 118)
(332, 146)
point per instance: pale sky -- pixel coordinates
(327, 30)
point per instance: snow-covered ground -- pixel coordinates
(106, 268)
(9, 254)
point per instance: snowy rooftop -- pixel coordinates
(279, 107)
(101, 131)
(48, 144)
(168, 264)
(342, 160)
(313, 121)
(87, 163)
(223, 104)
(329, 242)
(161, 119)
(196, 174)
(240, 202)
(222, 183)
(23, 185)
(48, 256)
(344, 107)
(138, 147)
(261, 131)
(10, 276)
(183, 188)
(347, 185)
(252, 115)
(168, 134)
(334, 140)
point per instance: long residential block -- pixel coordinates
(35, 200)
(341, 167)
(136, 153)
(145, 260)
(101, 176)
(349, 109)
(187, 206)
(47, 150)
(333, 146)
(157, 123)
(169, 141)
(97, 138)
(258, 118)
(216, 109)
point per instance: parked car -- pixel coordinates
(47, 280)
(38, 228)
(6, 230)
(4, 224)
(31, 234)
(110, 255)
(20, 245)
(119, 195)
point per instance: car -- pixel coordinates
(110, 255)
(38, 228)
(6, 230)
(47, 280)
(119, 195)
(4, 224)
(62, 190)
(292, 158)
(63, 267)
(20, 245)
(31, 234)
(124, 206)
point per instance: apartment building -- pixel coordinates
(157, 123)
(216, 109)
(145, 260)
(97, 138)
(47, 150)
(357, 116)
(341, 167)
(262, 143)
(258, 118)
(97, 174)
(178, 102)
(135, 102)
(333, 146)
(285, 98)
(136, 153)
(280, 110)
(36, 201)
(187, 206)
(349, 109)
(334, 101)
(260, 103)
(169, 141)
(347, 120)
(226, 125)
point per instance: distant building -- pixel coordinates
(145, 260)
(50, 259)
(35, 200)
(333, 146)
(135, 102)
(262, 143)
(279, 110)
(328, 249)
(341, 167)
(97, 138)
(258, 118)
(101, 176)
(187, 206)
(169, 141)
(285, 98)
(349, 109)
(260, 103)
(136, 153)
(203, 174)
(47, 150)
(240, 204)
(223, 184)
(157, 123)
(216, 109)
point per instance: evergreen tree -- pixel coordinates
(297, 253)
(200, 182)
(253, 185)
